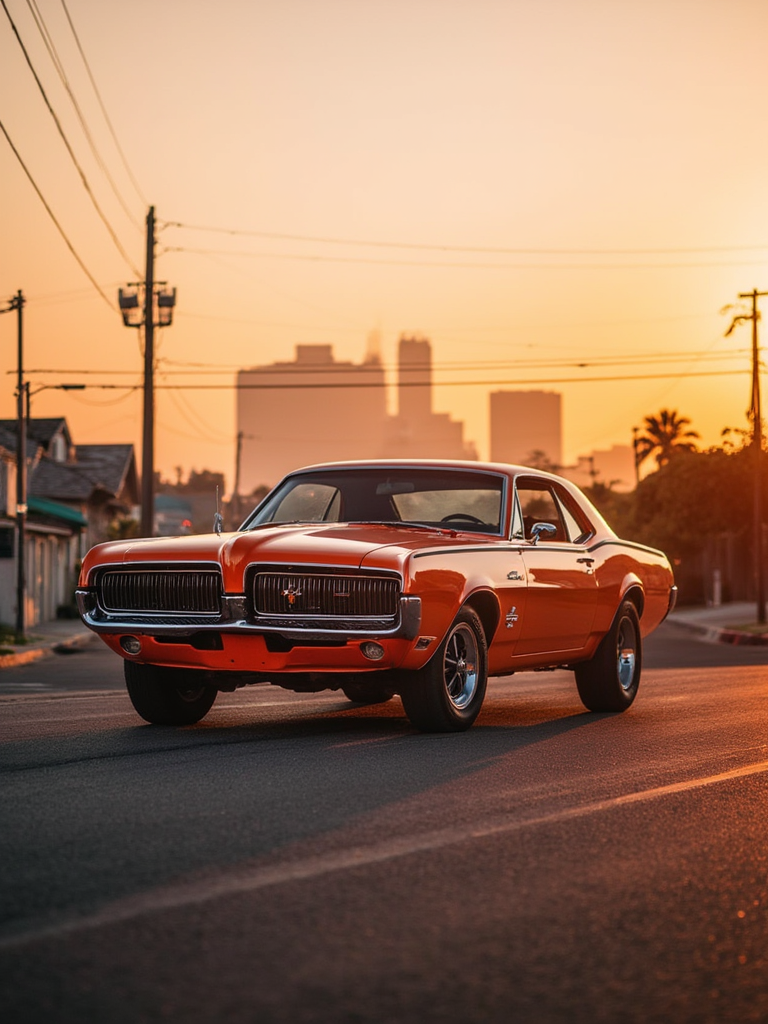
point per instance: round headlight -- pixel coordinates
(372, 650)
(130, 644)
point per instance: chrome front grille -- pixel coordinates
(336, 596)
(161, 590)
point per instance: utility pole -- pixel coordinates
(636, 453)
(757, 448)
(16, 304)
(148, 431)
(21, 474)
(134, 315)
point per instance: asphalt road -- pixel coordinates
(297, 858)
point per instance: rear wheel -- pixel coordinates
(447, 694)
(167, 696)
(610, 679)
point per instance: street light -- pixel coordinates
(129, 305)
(132, 303)
(166, 300)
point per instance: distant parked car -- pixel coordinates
(417, 578)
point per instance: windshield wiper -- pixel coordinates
(402, 524)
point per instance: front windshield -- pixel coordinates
(457, 499)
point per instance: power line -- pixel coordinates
(194, 420)
(57, 63)
(104, 109)
(451, 383)
(446, 366)
(51, 214)
(460, 248)
(71, 152)
(517, 383)
(369, 261)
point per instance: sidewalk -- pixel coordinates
(734, 623)
(57, 637)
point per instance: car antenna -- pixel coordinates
(218, 518)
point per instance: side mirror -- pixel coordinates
(539, 529)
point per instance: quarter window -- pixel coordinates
(538, 505)
(544, 502)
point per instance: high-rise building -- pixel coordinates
(527, 427)
(313, 409)
(414, 379)
(416, 432)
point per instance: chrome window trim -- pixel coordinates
(385, 465)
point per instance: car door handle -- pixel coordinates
(589, 562)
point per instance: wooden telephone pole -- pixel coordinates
(148, 432)
(158, 300)
(16, 304)
(757, 448)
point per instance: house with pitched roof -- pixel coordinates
(74, 493)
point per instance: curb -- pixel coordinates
(35, 653)
(722, 635)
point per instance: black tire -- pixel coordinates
(610, 679)
(361, 692)
(167, 696)
(447, 694)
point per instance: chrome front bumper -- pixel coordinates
(234, 619)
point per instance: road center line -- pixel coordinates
(181, 895)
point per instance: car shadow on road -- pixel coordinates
(194, 802)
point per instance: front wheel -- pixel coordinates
(167, 696)
(447, 694)
(609, 680)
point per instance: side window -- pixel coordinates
(579, 529)
(539, 505)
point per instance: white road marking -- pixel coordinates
(181, 895)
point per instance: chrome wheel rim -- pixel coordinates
(460, 666)
(626, 654)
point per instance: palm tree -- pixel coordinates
(665, 435)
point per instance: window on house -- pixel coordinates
(6, 542)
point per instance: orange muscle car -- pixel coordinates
(410, 577)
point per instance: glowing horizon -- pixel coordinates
(576, 185)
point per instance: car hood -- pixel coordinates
(349, 545)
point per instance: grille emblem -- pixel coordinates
(290, 594)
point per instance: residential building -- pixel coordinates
(74, 493)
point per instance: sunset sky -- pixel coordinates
(551, 191)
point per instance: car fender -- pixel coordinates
(443, 593)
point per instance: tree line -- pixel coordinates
(696, 505)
